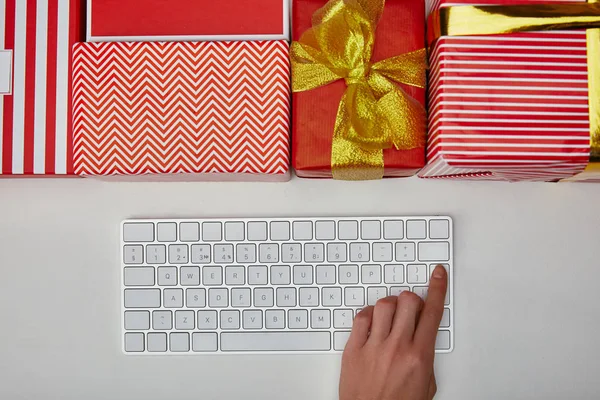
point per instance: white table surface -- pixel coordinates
(527, 278)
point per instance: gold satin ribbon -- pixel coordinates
(496, 20)
(374, 113)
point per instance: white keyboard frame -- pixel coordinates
(219, 352)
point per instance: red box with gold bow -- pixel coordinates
(358, 105)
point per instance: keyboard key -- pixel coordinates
(212, 276)
(371, 274)
(280, 275)
(286, 297)
(325, 230)
(211, 232)
(275, 341)
(195, 298)
(178, 254)
(375, 293)
(161, 320)
(340, 339)
(201, 253)
(439, 229)
(134, 342)
(314, 252)
(138, 276)
(142, 298)
(370, 230)
(416, 273)
(138, 232)
(156, 254)
(298, 319)
(190, 276)
(157, 342)
(445, 319)
(382, 252)
(302, 230)
(443, 340)
(234, 231)
(405, 251)
(235, 275)
(189, 231)
(359, 252)
(167, 276)
(263, 297)
(348, 230)
(204, 342)
(268, 253)
(434, 251)
(173, 298)
(332, 297)
(393, 273)
(230, 319)
(309, 296)
(207, 320)
(258, 275)
(421, 291)
(348, 274)
(167, 231)
(342, 319)
(416, 229)
(354, 296)
(223, 253)
(325, 274)
(393, 230)
(246, 253)
(179, 342)
(275, 319)
(303, 274)
(133, 254)
(396, 290)
(257, 231)
(280, 230)
(252, 319)
(320, 319)
(185, 320)
(218, 298)
(137, 320)
(337, 252)
(291, 252)
(240, 297)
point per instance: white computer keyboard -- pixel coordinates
(271, 285)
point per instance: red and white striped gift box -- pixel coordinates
(508, 107)
(35, 80)
(219, 109)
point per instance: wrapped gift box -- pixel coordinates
(401, 30)
(187, 20)
(218, 109)
(508, 107)
(35, 85)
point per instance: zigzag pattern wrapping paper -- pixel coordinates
(181, 108)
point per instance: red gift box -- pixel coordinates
(187, 20)
(218, 109)
(401, 30)
(35, 86)
(508, 107)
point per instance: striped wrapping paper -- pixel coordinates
(508, 107)
(35, 115)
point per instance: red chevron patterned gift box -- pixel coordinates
(218, 110)
(509, 106)
(35, 85)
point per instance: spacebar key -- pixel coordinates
(275, 341)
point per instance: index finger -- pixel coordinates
(431, 316)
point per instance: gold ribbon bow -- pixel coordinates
(374, 113)
(501, 19)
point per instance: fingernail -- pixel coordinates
(439, 272)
